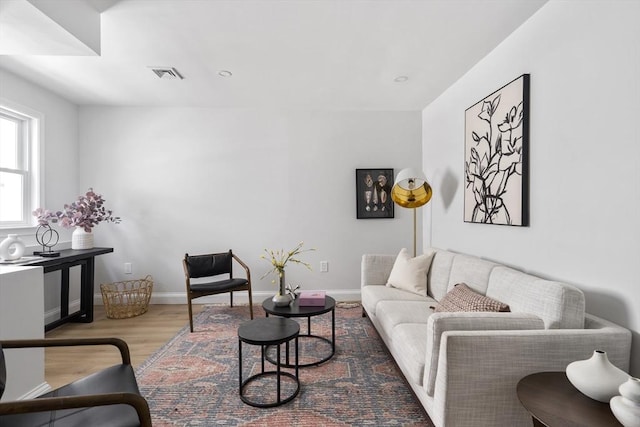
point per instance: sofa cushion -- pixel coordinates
(409, 349)
(410, 274)
(372, 295)
(472, 271)
(559, 305)
(462, 298)
(438, 277)
(393, 313)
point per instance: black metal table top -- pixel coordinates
(295, 310)
(268, 331)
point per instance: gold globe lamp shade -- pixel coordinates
(411, 190)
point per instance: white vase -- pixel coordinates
(12, 240)
(626, 407)
(80, 239)
(596, 377)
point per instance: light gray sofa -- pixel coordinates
(464, 367)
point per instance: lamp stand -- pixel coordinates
(414, 232)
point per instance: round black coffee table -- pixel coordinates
(269, 332)
(295, 310)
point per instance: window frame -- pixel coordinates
(32, 162)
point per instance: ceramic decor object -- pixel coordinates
(626, 407)
(81, 239)
(11, 248)
(596, 377)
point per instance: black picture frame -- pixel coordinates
(496, 157)
(373, 193)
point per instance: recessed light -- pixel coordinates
(401, 79)
(225, 73)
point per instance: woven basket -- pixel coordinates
(127, 299)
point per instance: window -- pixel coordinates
(19, 165)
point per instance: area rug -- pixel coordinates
(193, 379)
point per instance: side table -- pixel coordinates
(553, 401)
(267, 332)
(296, 310)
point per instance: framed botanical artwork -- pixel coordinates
(373, 193)
(496, 165)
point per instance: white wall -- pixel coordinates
(60, 135)
(199, 180)
(60, 141)
(584, 62)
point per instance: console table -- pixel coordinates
(70, 258)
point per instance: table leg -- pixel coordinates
(278, 374)
(297, 361)
(64, 292)
(333, 331)
(240, 366)
(286, 352)
(86, 293)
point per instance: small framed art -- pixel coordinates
(373, 193)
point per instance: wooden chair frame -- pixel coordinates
(136, 401)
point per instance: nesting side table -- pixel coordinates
(269, 332)
(296, 310)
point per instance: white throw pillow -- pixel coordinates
(410, 274)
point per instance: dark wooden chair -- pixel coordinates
(109, 397)
(207, 267)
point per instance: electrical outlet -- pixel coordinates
(324, 266)
(127, 268)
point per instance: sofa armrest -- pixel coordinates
(442, 322)
(375, 269)
(478, 370)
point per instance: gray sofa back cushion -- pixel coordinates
(438, 276)
(471, 270)
(559, 305)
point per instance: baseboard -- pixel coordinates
(36, 391)
(345, 295)
(54, 314)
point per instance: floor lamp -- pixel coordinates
(411, 190)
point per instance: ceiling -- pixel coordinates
(302, 54)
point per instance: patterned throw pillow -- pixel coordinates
(463, 298)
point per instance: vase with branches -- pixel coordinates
(83, 214)
(279, 260)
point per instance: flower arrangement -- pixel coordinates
(86, 212)
(280, 258)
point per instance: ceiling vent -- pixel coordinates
(166, 73)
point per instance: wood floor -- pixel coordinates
(144, 334)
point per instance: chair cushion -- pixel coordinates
(116, 379)
(219, 286)
(209, 265)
